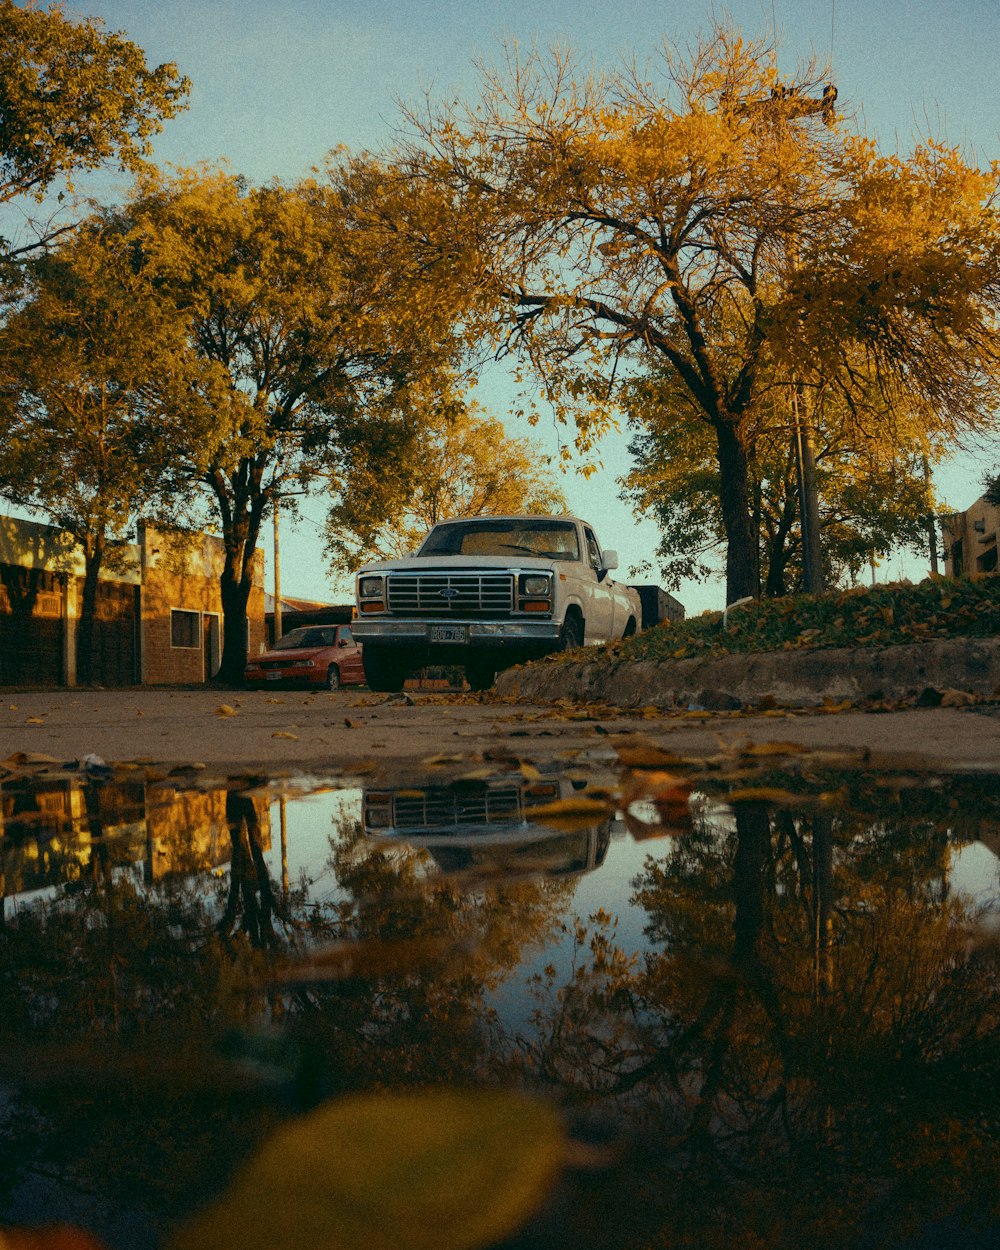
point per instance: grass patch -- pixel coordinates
(882, 616)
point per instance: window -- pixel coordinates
(184, 628)
(345, 635)
(501, 536)
(593, 551)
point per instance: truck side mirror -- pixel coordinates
(609, 561)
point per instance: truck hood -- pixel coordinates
(465, 564)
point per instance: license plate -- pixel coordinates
(274, 676)
(447, 633)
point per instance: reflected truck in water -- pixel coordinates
(483, 825)
(763, 993)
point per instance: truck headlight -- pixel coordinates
(370, 587)
(535, 584)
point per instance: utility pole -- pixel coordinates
(805, 463)
(277, 574)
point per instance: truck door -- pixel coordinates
(600, 612)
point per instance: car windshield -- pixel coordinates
(553, 540)
(318, 636)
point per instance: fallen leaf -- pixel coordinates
(763, 794)
(773, 748)
(432, 1170)
(35, 720)
(646, 757)
(56, 1237)
(283, 733)
(225, 709)
(570, 813)
(958, 698)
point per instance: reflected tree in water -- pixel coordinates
(810, 1042)
(425, 953)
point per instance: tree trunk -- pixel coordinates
(241, 507)
(742, 553)
(235, 593)
(93, 553)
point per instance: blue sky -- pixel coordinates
(278, 83)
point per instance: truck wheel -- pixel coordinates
(385, 669)
(480, 674)
(571, 634)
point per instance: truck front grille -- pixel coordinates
(451, 594)
(447, 810)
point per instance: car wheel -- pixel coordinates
(571, 634)
(333, 677)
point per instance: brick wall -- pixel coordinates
(182, 606)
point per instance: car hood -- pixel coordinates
(287, 654)
(429, 564)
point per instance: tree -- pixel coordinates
(86, 365)
(394, 487)
(875, 496)
(301, 324)
(727, 227)
(73, 98)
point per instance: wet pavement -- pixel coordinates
(755, 983)
(226, 731)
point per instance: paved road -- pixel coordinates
(327, 733)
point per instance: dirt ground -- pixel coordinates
(324, 734)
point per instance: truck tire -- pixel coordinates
(571, 634)
(480, 673)
(386, 668)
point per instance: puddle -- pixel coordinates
(761, 989)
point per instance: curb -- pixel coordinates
(799, 678)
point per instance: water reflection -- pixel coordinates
(482, 825)
(782, 1010)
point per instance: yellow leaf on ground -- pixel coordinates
(283, 733)
(225, 709)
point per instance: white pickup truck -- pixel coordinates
(486, 593)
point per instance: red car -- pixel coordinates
(315, 655)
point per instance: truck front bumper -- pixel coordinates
(500, 634)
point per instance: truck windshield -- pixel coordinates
(553, 540)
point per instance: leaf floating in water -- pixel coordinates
(764, 794)
(773, 748)
(439, 1170)
(570, 813)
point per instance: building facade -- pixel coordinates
(159, 608)
(970, 540)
